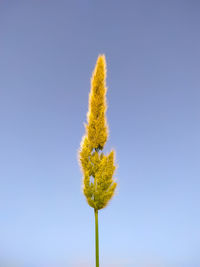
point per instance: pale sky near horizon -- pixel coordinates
(48, 50)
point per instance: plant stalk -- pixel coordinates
(96, 237)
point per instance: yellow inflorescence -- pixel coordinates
(97, 129)
(97, 168)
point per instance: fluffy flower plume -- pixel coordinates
(98, 169)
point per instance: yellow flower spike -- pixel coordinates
(97, 129)
(98, 169)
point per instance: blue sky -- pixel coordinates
(48, 50)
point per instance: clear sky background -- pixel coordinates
(48, 50)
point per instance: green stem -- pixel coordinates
(96, 237)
